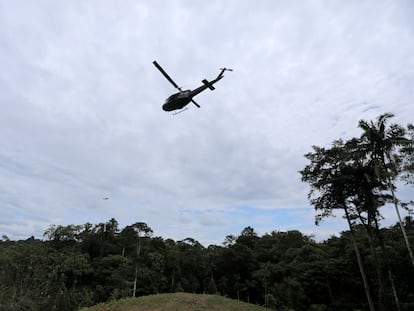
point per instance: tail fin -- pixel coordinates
(210, 86)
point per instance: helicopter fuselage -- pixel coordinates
(183, 98)
(177, 101)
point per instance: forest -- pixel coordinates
(367, 267)
(83, 265)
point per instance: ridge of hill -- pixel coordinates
(174, 302)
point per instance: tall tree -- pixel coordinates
(383, 145)
(332, 180)
(139, 229)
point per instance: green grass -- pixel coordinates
(176, 302)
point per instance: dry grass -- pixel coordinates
(176, 302)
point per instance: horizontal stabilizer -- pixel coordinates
(210, 86)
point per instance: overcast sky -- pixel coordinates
(81, 115)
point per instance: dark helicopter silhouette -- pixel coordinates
(183, 98)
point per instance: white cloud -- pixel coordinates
(81, 107)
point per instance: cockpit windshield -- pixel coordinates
(172, 97)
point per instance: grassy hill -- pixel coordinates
(175, 302)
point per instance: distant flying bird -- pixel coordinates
(105, 198)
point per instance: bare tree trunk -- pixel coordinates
(135, 280)
(328, 284)
(173, 279)
(385, 256)
(397, 302)
(378, 263)
(136, 266)
(395, 201)
(407, 243)
(359, 259)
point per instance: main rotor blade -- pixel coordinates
(166, 75)
(193, 101)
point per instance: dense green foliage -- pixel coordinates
(88, 264)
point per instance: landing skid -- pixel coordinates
(179, 111)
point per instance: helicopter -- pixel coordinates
(183, 98)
